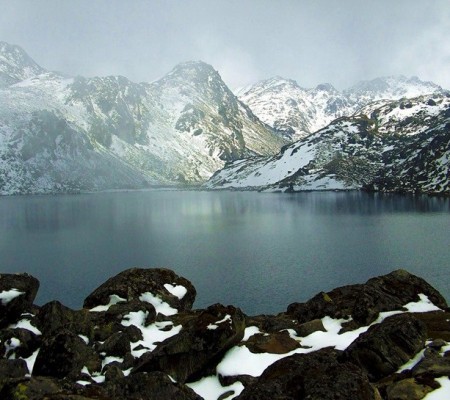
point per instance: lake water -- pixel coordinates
(254, 250)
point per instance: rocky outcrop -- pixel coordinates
(317, 375)
(196, 350)
(386, 347)
(364, 302)
(17, 293)
(137, 337)
(133, 283)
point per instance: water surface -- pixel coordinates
(253, 250)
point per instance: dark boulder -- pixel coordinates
(36, 388)
(313, 376)
(65, 355)
(17, 293)
(16, 368)
(433, 364)
(272, 323)
(387, 346)
(107, 323)
(338, 303)
(365, 301)
(149, 386)
(407, 389)
(199, 346)
(437, 323)
(275, 343)
(132, 283)
(390, 292)
(53, 317)
(118, 344)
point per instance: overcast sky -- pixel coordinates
(316, 41)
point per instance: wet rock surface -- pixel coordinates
(137, 337)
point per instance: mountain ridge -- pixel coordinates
(398, 146)
(298, 112)
(177, 130)
(69, 134)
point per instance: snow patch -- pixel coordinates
(210, 388)
(152, 334)
(25, 324)
(216, 324)
(84, 338)
(7, 295)
(161, 307)
(113, 299)
(177, 290)
(423, 305)
(443, 393)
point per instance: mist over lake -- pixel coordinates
(256, 251)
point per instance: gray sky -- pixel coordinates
(316, 41)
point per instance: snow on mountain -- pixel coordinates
(401, 145)
(16, 65)
(71, 134)
(297, 112)
(390, 88)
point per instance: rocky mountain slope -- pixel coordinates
(298, 112)
(401, 146)
(60, 133)
(137, 337)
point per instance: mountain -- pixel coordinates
(400, 146)
(73, 133)
(297, 112)
(16, 65)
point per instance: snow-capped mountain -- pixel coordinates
(401, 145)
(16, 65)
(64, 134)
(297, 112)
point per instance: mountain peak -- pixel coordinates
(196, 70)
(16, 65)
(326, 87)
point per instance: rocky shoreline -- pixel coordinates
(137, 337)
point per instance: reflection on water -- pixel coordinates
(258, 251)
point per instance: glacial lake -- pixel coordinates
(257, 251)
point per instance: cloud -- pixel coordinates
(428, 55)
(236, 66)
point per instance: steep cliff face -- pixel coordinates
(401, 146)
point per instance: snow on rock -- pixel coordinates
(161, 306)
(422, 305)
(217, 323)
(113, 299)
(298, 112)
(211, 389)
(400, 146)
(442, 393)
(7, 295)
(177, 290)
(25, 324)
(152, 334)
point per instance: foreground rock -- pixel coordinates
(365, 302)
(138, 338)
(386, 347)
(17, 293)
(317, 375)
